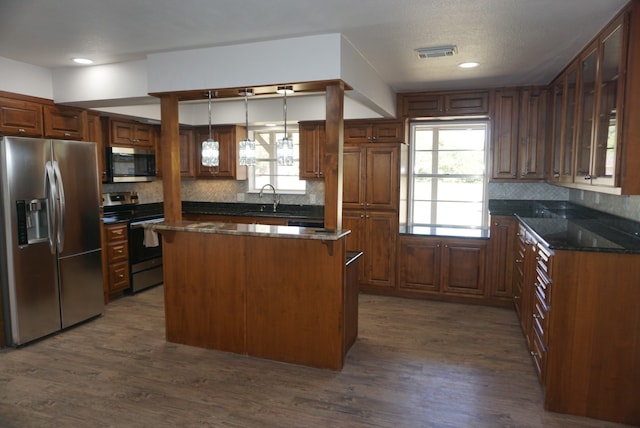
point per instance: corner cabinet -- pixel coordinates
(312, 142)
(519, 123)
(228, 137)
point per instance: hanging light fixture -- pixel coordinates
(285, 145)
(210, 148)
(247, 146)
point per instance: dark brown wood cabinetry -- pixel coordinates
(445, 268)
(21, 118)
(501, 254)
(437, 104)
(379, 131)
(95, 134)
(187, 155)
(371, 174)
(66, 123)
(519, 120)
(312, 141)
(116, 259)
(131, 134)
(228, 137)
(577, 312)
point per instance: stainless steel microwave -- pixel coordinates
(126, 164)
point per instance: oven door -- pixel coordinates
(146, 262)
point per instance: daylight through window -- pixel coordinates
(447, 175)
(286, 179)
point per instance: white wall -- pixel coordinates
(25, 79)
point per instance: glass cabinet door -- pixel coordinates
(558, 99)
(566, 173)
(606, 141)
(587, 111)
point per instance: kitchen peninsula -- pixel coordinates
(276, 292)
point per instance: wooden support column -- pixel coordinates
(334, 147)
(170, 149)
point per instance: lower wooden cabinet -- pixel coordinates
(116, 259)
(442, 266)
(374, 233)
(501, 254)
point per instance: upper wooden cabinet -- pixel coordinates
(187, 156)
(67, 123)
(129, 133)
(595, 102)
(371, 176)
(312, 142)
(228, 136)
(22, 118)
(95, 134)
(519, 123)
(373, 131)
(436, 104)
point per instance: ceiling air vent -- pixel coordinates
(438, 51)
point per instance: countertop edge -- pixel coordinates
(243, 229)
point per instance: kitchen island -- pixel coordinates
(276, 292)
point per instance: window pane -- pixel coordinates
(461, 139)
(460, 162)
(460, 189)
(423, 139)
(422, 163)
(459, 214)
(422, 188)
(422, 212)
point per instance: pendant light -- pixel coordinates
(247, 146)
(210, 148)
(285, 145)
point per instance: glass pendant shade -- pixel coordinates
(284, 147)
(210, 155)
(247, 146)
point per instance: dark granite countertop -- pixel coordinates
(295, 212)
(567, 226)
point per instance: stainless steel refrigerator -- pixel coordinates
(51, 252)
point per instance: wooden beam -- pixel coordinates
(334, 146)
(170, 149)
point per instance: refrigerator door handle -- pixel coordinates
(61, 207)
(50, 190)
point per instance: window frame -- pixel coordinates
(413, 125)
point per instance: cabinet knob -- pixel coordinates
(66, 134)
(536, 316)
(516, 297)
(121, 276)
(21, 131)
(534, 354)
(519, 260)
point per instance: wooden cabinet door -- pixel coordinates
(502, 253)
(421, 105)
(586, 115)
(20, 118)
(419, 264)
(353, 177)
(466, 103)
(382, 185)
(312, 142)
(187, 157)
(532, 133)
(227, 138)
(354, 221)
(505, 134)
(131, 134)
(357, 132)
(381, 229)
(95, 134)
(65, 123)
(463, 267)
(387, 132)
(144, 135)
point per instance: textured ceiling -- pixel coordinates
(517, 42)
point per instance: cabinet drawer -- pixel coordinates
(544, 260)
(543, 287)
(117, 233)
(539, 355)
(118, 276)
(540, 318)
(118, 252)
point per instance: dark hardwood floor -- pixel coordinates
(415, 364)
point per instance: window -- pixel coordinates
(286, 179)
(447, 175)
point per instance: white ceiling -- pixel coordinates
(517, 42)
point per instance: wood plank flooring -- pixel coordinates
(415, 364)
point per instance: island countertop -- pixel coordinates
(242, 229)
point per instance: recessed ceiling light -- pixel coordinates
(83, 61)
(468, 65)
(270, 125)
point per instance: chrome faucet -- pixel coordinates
(276, 197)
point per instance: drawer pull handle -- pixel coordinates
(21, 131)
(519, 260)
(534, 354)
(536, 316)
(121, 276)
